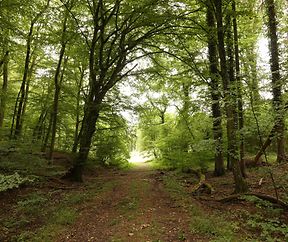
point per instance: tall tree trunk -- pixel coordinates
(219, 169)
(48, 134)
(21, 95)
(276, 80)
(239, 90)
(57, 83)
(230, 103)
(4, 88)
(91, 114)
(38, 130)
(56, 101)
(231, 83)
(184, 112)
(19, 105)
(27, 89)
(77, 123)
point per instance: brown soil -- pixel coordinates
(136, 209)
(137, 206)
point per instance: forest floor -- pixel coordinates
(140, 204)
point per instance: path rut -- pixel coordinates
(135, 208)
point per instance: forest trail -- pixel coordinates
(134, 207)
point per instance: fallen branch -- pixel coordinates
(259, 195)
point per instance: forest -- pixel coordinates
(148, 120)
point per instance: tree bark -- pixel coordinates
(57, 90)
(21, 96)
(219, 169)
(77, 123)
(38, 130)
(239, 91)
(4, 88)
(276, 80)
(230, 104)
(88, 128)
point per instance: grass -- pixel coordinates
(53, 212)
(32, 203)
(64, 216)
(213, 226)
(130, 204)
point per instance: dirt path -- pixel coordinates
(135, 208)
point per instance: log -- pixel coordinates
(264, 197)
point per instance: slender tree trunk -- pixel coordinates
(219, 169)
(27, 90)
(77, 123)
(22, 94)
(276, 80)
(231, 82)
(54, 112)
(230, 103)
(48, 134)
(19, 111)
(4, 88)
(184, 115)
(57, 83)
(38, 130)
(239, 91)
(4, 57)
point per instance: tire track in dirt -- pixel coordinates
(137, 208)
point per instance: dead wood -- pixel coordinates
(264, 197)
(202, 185)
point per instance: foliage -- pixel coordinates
(13, 181)
(32, 204)
(270, 228)
(112, 141)
(180, 147)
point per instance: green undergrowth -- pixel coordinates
(265, 221)
(8, 182)
(212, 226)
(52, 212)
(183, 167)
(26, 159)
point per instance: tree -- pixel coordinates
(58, 77)
(3, 99)
(22, 97)
(215, 93)
(114, 45)
(276, 80)
(230, 101)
